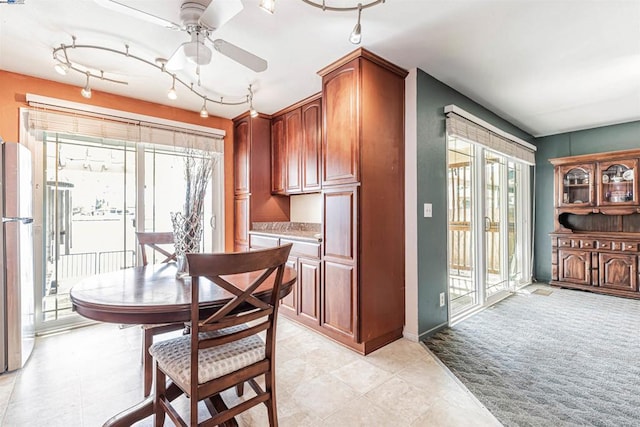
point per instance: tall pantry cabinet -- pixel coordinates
(362, 297)
(253, 201)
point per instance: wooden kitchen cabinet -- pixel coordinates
(296, 146)
(309, 286)
(596, 240)
(278, 156)
(303, 302)
(362, 301)
(293, 138)
(311, 145)
(253, 201)
(241, 221)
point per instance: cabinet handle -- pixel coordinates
(487, 223)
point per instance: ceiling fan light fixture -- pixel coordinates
(172, 94)
(61, 68)
(356, 35)
(86, 90)
(268, 5)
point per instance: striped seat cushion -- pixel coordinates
(173, 357)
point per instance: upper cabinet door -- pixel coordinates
(311, 145)
(293, 136)
(241, 157)
(340, 148)
(618, 182)
(575, 185)
(278, 156)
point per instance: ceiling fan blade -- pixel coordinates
(178, 59)
(219, 12)
(240, 55)
(137, 13)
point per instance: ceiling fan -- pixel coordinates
(199, 19)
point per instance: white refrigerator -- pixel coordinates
(17, 304)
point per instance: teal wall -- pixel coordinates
(431, 157)
(607, 138)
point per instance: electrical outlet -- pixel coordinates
(441, 299)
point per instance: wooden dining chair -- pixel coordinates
(223, 351)
(153, 240)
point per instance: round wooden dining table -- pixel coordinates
(154, 295)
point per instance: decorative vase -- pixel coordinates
(187, 232)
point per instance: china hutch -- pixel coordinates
(596, 237)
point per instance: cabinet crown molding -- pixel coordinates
(364, 53)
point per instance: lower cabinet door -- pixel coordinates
(289, 304)
(339, 312)
(618, 271)
(574, 266)
(309, 287)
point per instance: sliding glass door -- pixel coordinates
(488, 226)
(97, 193)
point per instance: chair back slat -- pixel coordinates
(152, 240)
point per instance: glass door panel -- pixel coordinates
(516, 225)
(494, 223)
(463, 292)
(165, 191)
(89, 215)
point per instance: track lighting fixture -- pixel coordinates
(356, 34)
(172, 94)
(268, 5)
(86, 90)
(203, 112)
(64, 63)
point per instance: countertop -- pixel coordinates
(307, 236)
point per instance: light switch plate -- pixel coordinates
(428, 210)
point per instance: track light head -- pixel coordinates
(172, 94)
(356, 35)
(203, 112)
(86, 90)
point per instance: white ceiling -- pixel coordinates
(546, 66)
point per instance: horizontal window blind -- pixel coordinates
(466, 129)
(94, 125)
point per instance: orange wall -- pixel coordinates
(14, 87)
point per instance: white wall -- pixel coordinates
(306, 208)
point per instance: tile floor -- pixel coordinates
(82, 377)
